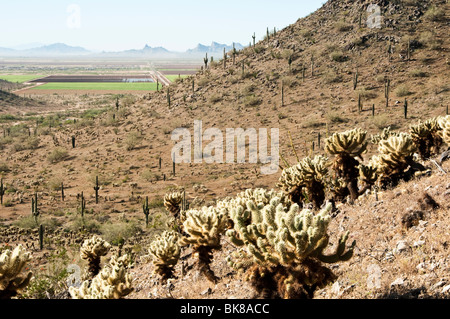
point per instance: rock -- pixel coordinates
(206, 292)
(402, 246)
(419, 243)
(398, 282)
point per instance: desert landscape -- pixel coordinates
(93, 205)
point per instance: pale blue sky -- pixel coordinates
(113, 25)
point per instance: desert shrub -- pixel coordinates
(26, 143)
(417, 73)
(381, 121)
(215, 98)
(150, 176)
(132, 141)
(435, 14)
(118, 232)
(4, 168)
(332, 77)
(57, 155)
(204, 81)
(54, 183)
(402, 91)
(252, 100)
(342, 26)
(367, 94)
(338, 56)
(336, 117)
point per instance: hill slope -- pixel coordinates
(326, 50)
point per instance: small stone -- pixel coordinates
(419, 243)
(402, 246)
(398, 282)
(206, 292)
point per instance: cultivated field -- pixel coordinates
(358, 208)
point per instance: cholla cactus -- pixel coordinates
(426, 136)
(204, 229)
(306, 180)
(396, 155)
(112, 282)
(172, 202)
(346, 147)
(12, 278)
(368, 175)
(92, 250)
(375, 139)
(166, 253)
(444, 124)
(284, 248)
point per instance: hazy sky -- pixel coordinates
(113, 25)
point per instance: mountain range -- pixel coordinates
(64, 50)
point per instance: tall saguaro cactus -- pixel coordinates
(2, 191)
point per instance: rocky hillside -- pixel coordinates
(326, 73)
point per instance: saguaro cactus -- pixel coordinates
(282, 249)
(146, 210)
(2, 191)
(12, 278)
(96, 189)
(34, 208)
(166, 253)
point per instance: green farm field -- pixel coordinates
(20, 78)
(98, 86)
(173, 77)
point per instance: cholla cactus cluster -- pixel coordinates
(92, 250)
(444, 124)
(347, 147)
(283, 243)
(166, 253)
(396, 155)
(172, 202)
(306, 180)
(112, 282)
(384, 135)
(204, 229)
(426, 136)
(12, 278)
